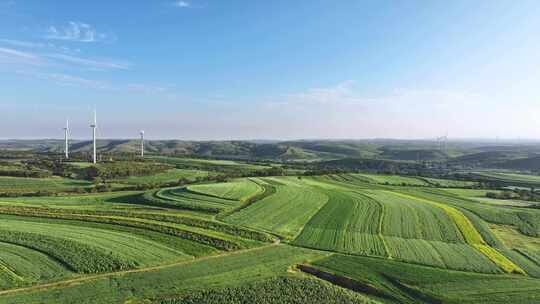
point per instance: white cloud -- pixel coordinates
(67, 80)
(19, 54)
(13, 56)
(8, 55)
(91, 63)
(146, 89)
(77, 31)
(39, 45)
(342, 93)
(182, 4)
(345, 111)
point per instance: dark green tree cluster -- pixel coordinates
(119, 169)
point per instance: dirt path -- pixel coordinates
(74, 281)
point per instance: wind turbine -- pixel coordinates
(142, 143)
(442, 142)
(94, 126)
(66, 134)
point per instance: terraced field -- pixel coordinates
(505, 176)
(283, 213)
(208, 164)
(508, 178)
(25, 184)
(219, 241)
(183, 198)
(129, 248)
(169, 176)
(21, 265)
(393, 179)
(386, 224)
(398, 282)
(240, 190)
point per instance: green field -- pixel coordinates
(283, 213)
(346, 238)
(393, 179)
(170, 176)
(405, 283)
(510, 178)
(240, 190)
(224, 271)
(210, 164)
(25, 184)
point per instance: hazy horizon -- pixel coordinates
(490, 141)
(216, 70)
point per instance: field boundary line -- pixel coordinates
(471, 235)
(381, 220)
(78, 280)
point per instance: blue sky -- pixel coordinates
(270, 69)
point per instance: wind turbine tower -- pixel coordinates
(94, 126)
(142, 143)
(66, 134)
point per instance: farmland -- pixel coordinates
(510, 178)
(21, 184)
(169, 176)
(340, 238)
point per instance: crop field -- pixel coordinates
(406, 283)
(105, 241)
(224, 271)
(397, 180)
(21, 265)
(25, 184)
(511, 178)
(208, 164)
(393, 180)
(183, 198)
(340, 238)
(386, 224)
(173, 175)
(240, 190)
(285, 212)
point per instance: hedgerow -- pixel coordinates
(189, 221)
(171, 230)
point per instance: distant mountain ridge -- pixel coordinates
(516, 156)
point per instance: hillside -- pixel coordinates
(522, 164)
(488, 158)
(413, 155)
(468, 154)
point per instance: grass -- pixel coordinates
(513, 239)
(183, 198)
(406, 283)
(208, 164)
(285, 212)
(239, 190)
(20, 266)
(511, 177)
(348, 223)
(220, 272)
(402, 227)
(26, 184)
(473, 237)
(170, 176)
(287, 290)
(212, 243)
(112, 200)
(394, 179)
(127, 247)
